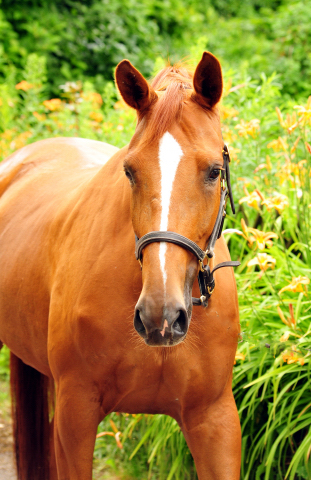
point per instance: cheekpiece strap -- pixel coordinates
(226, 158)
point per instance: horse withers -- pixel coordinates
(70, 210)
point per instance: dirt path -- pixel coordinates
(7, 467)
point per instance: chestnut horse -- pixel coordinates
(70, 282)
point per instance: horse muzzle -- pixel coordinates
(161, 326)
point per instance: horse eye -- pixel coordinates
(214, 174)
(129, 175)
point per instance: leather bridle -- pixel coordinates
(205, 277)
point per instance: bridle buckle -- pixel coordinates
(210, 290)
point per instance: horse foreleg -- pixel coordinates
(213, 435)
(75, 425)
(53, 470)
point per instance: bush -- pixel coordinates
(86, 39)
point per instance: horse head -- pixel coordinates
(173, 165)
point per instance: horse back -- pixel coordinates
(67, 152)
(37, 184)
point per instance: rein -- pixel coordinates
(205, 277)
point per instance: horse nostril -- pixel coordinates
(138, 324)
(180, 324)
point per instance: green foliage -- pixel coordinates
(272, 396)
(149, 443)
(291, 36)
(86, 39)
(4, 363)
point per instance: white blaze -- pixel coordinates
(170, 154)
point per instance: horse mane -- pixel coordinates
(174, 81)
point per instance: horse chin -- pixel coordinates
(155, 339)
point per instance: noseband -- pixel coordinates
(205, 277)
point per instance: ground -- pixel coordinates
(7, 467)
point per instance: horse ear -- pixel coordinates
(135, 90)
(207, 81)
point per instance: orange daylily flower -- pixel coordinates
(278, 144)
(290, 322)
(262, 238)
(296, 167)
(293, 149)
(228, 135)
(93, 97)
(291, 311)
(116, 434)
(97, 116)
(290, 168)
(53, 105)
(245, 230)
(233, 153)
(282, 316)
(8, 134)
(304, 112)
(23, 85)
(252, 199)
(296, 284)
(308, 146)
(263, 260)
(279, 202)
(292, 357)
(111, 434)
(285, 337)
(290, 123)
(39, 116)
(267, 165)
(227, 87)
(248, 128)
(245, 233)
(239, 356)
(227, 112)
(20, 140)
(113, 425)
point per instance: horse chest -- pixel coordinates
(144, 386)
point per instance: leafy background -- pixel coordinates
(56, 79)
